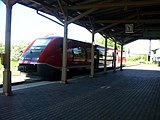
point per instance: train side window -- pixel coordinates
(79, 54)
(101, 54)
(61, 46)
(88, 56)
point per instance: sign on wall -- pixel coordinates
(128, 28)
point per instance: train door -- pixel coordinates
(96, 59)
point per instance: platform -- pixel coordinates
(131, 94)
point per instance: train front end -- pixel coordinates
(29, 59)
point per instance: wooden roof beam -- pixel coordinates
(149, 21)
(45, 7)
(114, 24)
(115, 4)
(82, 15)
(11, 2)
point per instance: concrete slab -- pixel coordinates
(131, 94)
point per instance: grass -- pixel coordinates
(131, 63)
(14, 65)
(14, 69)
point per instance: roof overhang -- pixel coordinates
(123, 20)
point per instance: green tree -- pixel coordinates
(1, 47)
(1, 51)
(17, 50)
(101, 41)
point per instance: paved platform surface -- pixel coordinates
(131, 94)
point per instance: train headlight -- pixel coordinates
(35, 58)
(22, 58)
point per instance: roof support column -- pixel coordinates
(149, 55)
(92, 55)
(114, 57)
(121, 58)
(105, 56)
(7, 88)
(64, 54)
(66, 23)
(64, 57)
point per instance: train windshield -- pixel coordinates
(40, 44)
(34, 52)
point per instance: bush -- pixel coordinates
(139, 58)
(17, 51)
(1, 66)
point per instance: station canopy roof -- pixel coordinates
(122, 20)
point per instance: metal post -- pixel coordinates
(105, 56)
(149, 55)
(114, 58)
(7, 90)
(92, 56)
(121, 58)
(64, 60)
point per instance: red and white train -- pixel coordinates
(44, 56)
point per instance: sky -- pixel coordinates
(27, 25)
(141, 46)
